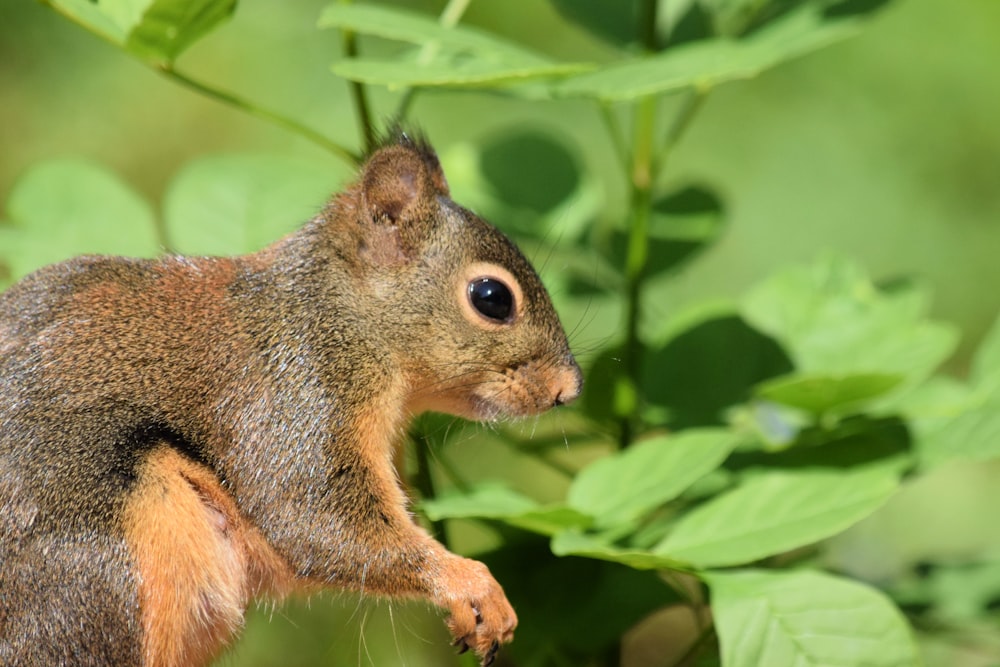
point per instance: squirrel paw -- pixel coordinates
(481, 617)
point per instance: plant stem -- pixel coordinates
(615, 132)
(452, 13)
(252, 109)
(643, 174)
(423, 481)
(643, 171)
(682, 121)
(449, 18)
(358, 93)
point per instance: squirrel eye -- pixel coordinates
(491, 298)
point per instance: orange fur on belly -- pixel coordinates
(199, 561)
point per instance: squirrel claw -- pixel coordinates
(481, 618)
(491, 655)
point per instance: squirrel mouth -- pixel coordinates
(528, 390)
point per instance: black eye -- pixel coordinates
(491, 298)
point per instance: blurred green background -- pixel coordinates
(885, 148)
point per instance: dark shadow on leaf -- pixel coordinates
(530, 170)
(771, 12)
(684, 224)
(853, 8)
(570, 607)
(696, 24)
(708, 368)
(856, 441)
(598, 391)
(615, 21)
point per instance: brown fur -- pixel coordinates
(181, 435)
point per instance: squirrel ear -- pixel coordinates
(401, 182)
(399, 189)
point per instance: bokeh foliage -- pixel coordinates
(728, 453)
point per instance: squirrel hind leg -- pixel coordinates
(199, 561)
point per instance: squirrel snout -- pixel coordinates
(567, 385)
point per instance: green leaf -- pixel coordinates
(157, 31)
(777, 511)
(958, 421)
(458, 72)
(706, 64)
(832, 320)
(964, 592)
(973, 434)
(67, 207)
(807, 619)
(499, 503)
(575, 543)
(622, 487)
(488, 501)
(820, 394)
(857, 440)
(415, 28)
(456, 57)
(168, 27)
(95, 17)
(235, 204)
(714, 364)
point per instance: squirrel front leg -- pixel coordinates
(344, 523)
(480, 616)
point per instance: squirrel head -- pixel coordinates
(463, 312)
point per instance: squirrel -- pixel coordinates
(180, 436)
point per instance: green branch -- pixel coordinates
(359, 95)
(252, 109)
(220, 95)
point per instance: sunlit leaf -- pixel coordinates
(499, 503)
(833, 321)
(808, 619)
(822, 393)
(622, 487)
(971, 434)
(168, 27)
(466, 72)
(155, 30)
(409, 26)
(235, 204)
(488, 501)
(95, 17)
(573, 543)
(776, 511)
(458, 56)
(68, 207)
(709, 63)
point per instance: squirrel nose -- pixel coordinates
(568, 384)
